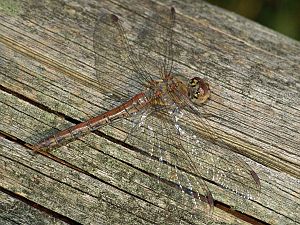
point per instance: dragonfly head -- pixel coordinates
(198, 90)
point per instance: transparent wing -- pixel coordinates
(128, 57)
(115, 58)
(221, 164)
(156, 134)
(159, 35)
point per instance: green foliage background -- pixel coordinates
(280, 15)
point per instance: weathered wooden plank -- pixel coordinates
(14, 211)
(81, 203)
(105, 167)
(238, 27)
(255, 95)
(49, 179)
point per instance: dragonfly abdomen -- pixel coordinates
(130, 107)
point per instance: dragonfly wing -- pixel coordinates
(159, 35)
(222, 164)
(117, 70)
(128, 57)
(161, 141)
(162, 33)
(169, 50)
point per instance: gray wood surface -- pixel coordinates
(15, 211)
(48, 83)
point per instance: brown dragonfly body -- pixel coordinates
(132, 106)
(160, 93)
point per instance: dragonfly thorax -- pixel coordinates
(179, 91)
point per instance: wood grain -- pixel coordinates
(48, 83)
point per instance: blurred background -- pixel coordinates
(280, 15)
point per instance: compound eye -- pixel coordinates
(193, 82)
(199, 90)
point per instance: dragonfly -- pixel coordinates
(154, 116)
